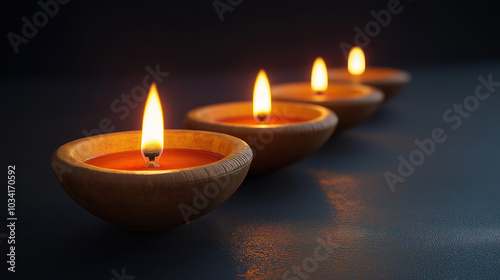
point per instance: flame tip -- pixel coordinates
(262, 98)
(152, 124)
(356, 62)
(319, 75)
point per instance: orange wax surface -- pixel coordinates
(170, 159)
(250, 120)
(301, 91)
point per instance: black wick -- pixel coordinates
(152, 153)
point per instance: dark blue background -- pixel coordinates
(116, 38)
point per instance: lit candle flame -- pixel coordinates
(319, 76)
(356, 62)
(262, 98)
(152, 126)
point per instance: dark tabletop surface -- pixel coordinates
(442, 222)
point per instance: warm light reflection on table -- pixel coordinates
(342, 194)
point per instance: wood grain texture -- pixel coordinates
(352, 103)
(274, 146)
(390, 81)
(150, 200)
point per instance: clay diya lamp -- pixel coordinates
(279, 133)
(353, 103)
(154, 179)
(390, 81)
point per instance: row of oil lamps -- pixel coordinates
(155, 179)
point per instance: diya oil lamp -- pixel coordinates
(390, 81)
(146, 180)
(279, 133)
(353, 103)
